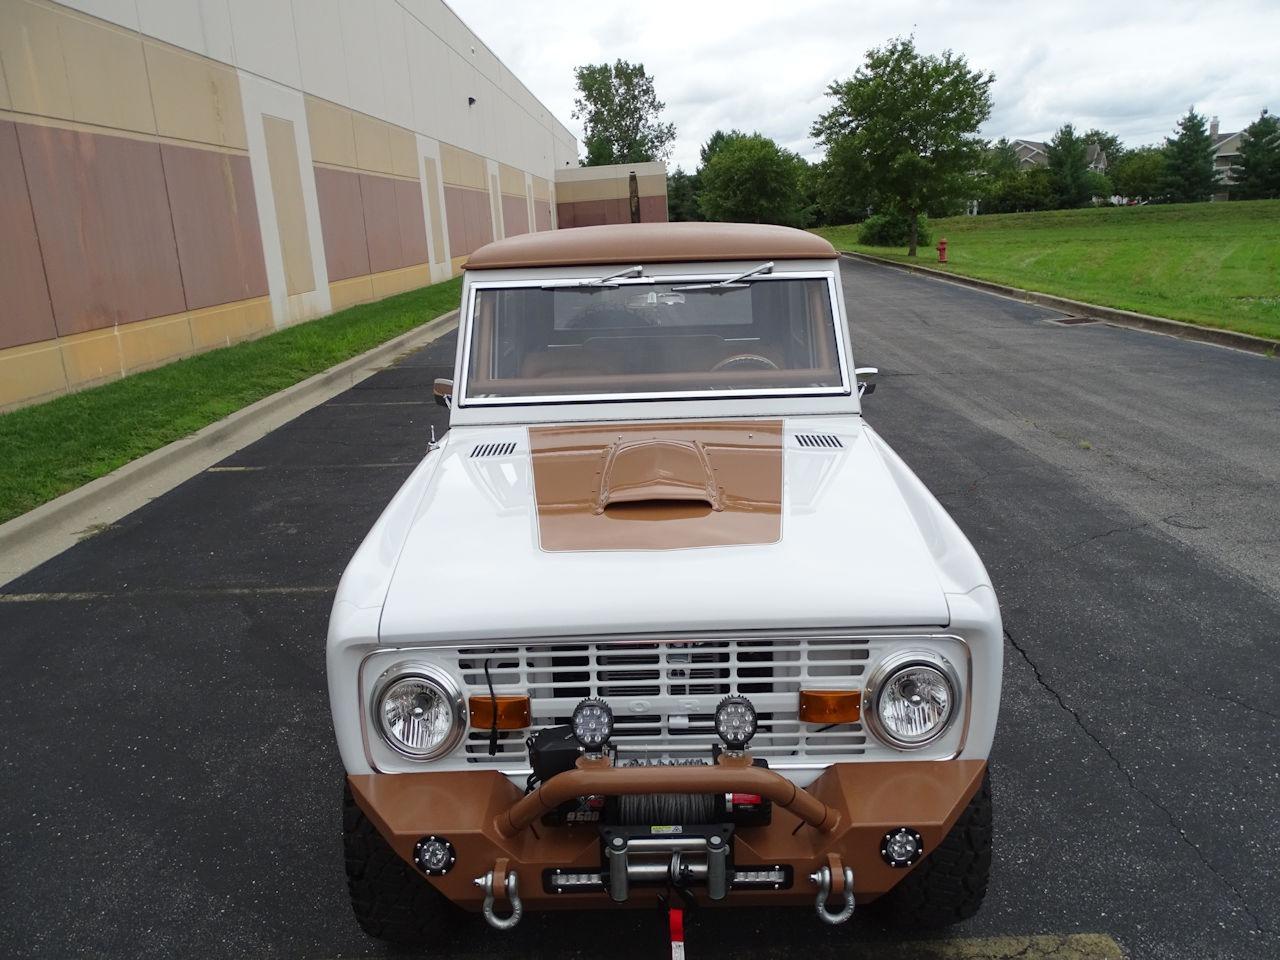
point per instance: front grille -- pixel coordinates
(664, 693)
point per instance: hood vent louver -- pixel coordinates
(494, 449)
(827, 441)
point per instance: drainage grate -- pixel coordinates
(1070, 321)
(827, 440)
(494, 449)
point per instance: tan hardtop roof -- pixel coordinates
(635, 243)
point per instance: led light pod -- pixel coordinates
(592, 724)
(735, 722)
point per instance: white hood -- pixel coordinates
(851, 554)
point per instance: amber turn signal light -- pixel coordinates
(511, 712)
(830, 706)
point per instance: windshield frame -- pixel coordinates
(463, 400)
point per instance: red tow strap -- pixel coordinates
(675, 920)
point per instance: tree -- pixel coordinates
(1138, 174)
(1257, 174)
(912, 121)
(1107, 143)
(752, 179)
(1189, 173)
(844, 194)
(682, 196)
(1026, 190)
(620, 114)
(714, 143)
(1068, 166)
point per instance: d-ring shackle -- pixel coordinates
(513, 895)
(822, 878)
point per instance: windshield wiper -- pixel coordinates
(733, 283)
(609, 281)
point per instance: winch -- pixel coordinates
(677, 841)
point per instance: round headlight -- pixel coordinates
(914, 699)
(419, 712)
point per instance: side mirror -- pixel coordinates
(865, 378)
(443, 391)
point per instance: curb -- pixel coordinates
(28, 540)
(1112, 315)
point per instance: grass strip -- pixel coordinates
(53, 447)
(1212, 264)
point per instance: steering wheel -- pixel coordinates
(745, 361)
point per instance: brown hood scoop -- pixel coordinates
(658, 486)
(657, 471)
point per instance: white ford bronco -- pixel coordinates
(661, 614)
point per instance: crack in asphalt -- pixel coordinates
(1258, 926)
(1240, 703)
(1107, 533)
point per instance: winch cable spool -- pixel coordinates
(666, 808)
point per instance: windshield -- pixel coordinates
(769, 335)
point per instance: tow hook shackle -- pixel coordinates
(511, 891)
(822, 877)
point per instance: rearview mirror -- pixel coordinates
(443, 391)
(866, 380)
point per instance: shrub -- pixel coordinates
(892, 230)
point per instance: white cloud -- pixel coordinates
(1132, 68)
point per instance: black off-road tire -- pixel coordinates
(950, 884)
(390, 899)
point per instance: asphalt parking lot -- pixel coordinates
(171, 788)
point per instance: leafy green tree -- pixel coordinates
(1138, 174)
(1024, 191)
(620, 114)
(714, 143)
(1189, 176)
(1108, 143)
(1099, 185)
(912, 120)
(753, 180)
(1068, 165)
(844, 194)
(1002, 160)
(1257, 174)
(682, 196)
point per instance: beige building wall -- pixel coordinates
(179, 175)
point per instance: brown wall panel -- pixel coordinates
(102, 214)
(470, 222)
(515, 215)
(542, 215)
(456, 219)
(413, 226)
(564, 215)
(26, 315)
(215, 220)
(346, 248)
(495, 199)
(479, 220)
(291, 213)
(381, 223)
(653, 209)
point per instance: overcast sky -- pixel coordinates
(1129, 66)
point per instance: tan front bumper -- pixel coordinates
(846, 812)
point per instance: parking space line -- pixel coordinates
(211, 592)
(407, 465)
(1078, 946)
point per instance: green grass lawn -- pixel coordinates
(1214, 264)
(54, 447)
